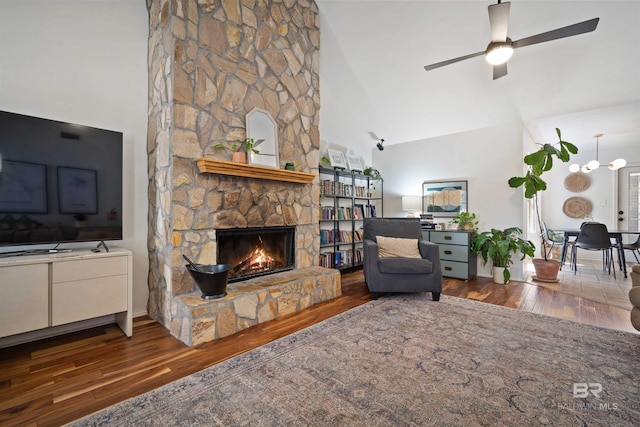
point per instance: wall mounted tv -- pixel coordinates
(59, 182)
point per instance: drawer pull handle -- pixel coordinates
(447, 237)
(448, 252)
(448, 268)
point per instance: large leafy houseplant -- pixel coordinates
(499, 246)
(538, 163)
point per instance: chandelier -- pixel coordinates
(595, 164)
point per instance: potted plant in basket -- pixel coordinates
(500, 246)
(466, 221)
(538, 163)
(239, 149)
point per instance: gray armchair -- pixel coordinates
(399, 274)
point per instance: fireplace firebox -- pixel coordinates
(253, 252)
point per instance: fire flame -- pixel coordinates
(259, 260)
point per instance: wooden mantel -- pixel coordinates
(208, 165)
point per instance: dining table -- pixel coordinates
(614, 234)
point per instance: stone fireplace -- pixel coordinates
(256, 251)
(210, 63)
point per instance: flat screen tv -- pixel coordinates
(59, 182)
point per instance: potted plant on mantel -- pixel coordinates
(500, 246)
(239, 149)
(538, 163)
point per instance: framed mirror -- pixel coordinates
(263, 129)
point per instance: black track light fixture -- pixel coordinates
(379, 145)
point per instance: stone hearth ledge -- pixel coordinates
(250, 302)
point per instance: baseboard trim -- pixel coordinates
(56, 330)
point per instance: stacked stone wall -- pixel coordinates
(196, 321)
(211, 62)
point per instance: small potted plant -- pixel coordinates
(239, 149)
(499, 246)
(466, 221)
(538, 163)
(373, 173)
(324, 162)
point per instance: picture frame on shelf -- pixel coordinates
(444, 198)
(355, 165)
(336, 158)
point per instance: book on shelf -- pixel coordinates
(327, 213)
(370, 211)
(338, 259)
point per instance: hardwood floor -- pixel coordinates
(57, 380)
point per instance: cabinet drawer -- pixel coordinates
(24, 298)
(453, 252)
(85, 299)
(458, 270)
(68, 271)
(449, 237)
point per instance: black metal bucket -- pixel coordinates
(211, 279)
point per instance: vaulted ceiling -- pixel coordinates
(585, 84)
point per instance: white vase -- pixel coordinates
(498, 275)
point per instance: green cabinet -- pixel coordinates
(455, 252)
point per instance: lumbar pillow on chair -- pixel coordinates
(396, 247)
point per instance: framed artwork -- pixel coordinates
(354, 163)
(262, 128)
(336, 158)
(444, 198)
(23, 187)
(77, 191)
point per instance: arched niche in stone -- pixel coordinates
(261, 126)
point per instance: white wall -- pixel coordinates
(85, 62)
(602, 191)
(346, 114)
(486, 158)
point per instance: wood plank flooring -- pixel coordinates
(57, 380)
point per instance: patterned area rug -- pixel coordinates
(406, 360)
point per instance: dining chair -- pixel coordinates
(634, 248)
(594, 237)
(551, 239)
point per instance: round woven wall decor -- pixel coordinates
(577, 182)
(577, 207)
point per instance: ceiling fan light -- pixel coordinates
(498, 53)
(574, 167)
(585, 169)
(593, 164)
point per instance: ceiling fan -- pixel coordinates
(501, 47)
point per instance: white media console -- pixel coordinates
(40, 292)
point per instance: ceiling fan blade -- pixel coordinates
(571, 30)
(451, 61)
(499, 71)
(499, 21)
